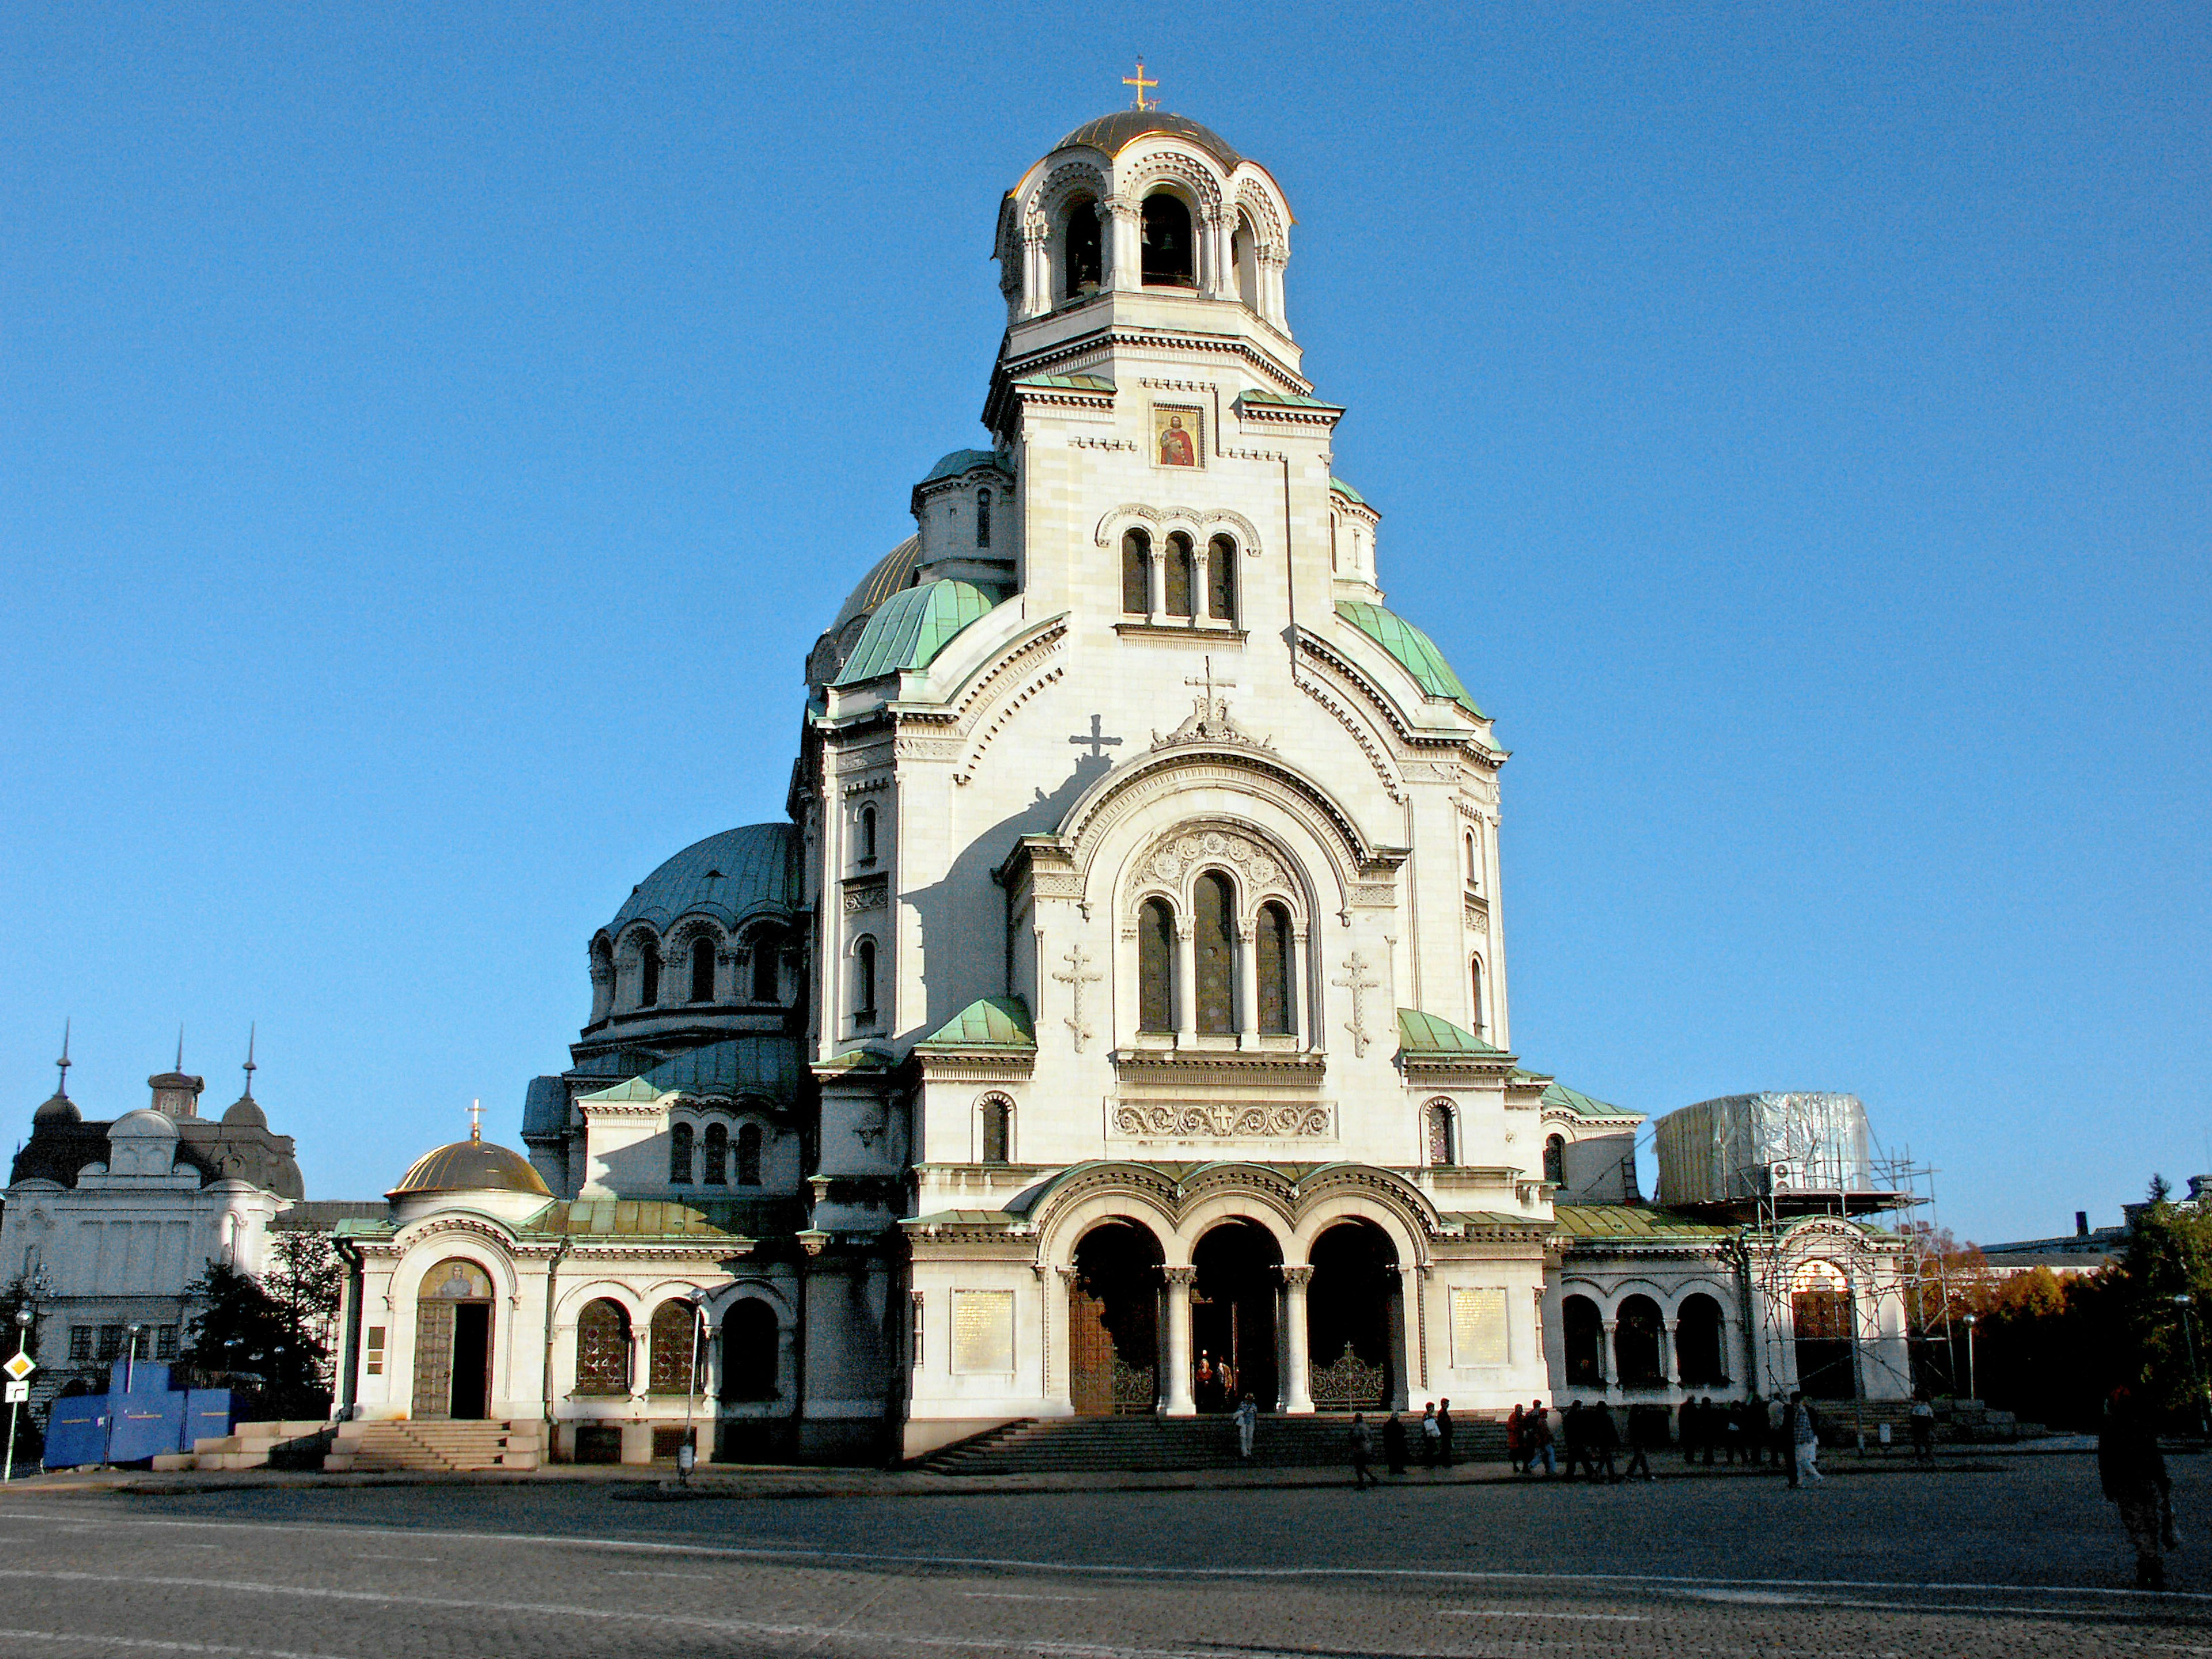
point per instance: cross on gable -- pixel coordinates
(1208, 681)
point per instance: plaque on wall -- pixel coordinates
(983, 1331)
(1478, 1322)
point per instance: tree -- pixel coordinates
(249, 1341)
(305, 1278)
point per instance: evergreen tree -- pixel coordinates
(248, 1341)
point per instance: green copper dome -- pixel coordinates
(1416, 653)
(911, 627)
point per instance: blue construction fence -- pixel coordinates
(139, 1416)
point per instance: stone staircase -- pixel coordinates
(253, 1446)
(367, 1446)
(1077, 1445)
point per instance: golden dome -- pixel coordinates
(471, 1166)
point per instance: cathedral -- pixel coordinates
(1118, 1021)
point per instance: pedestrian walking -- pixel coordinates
(2132, 1471)
(1922, 1422)
(1444, 1432)
(1777, 1434)
(1647, 1427)
(1604, 1440)
(1431, 1437)
(1536, 1439)
(1247, 1416)
(1514, 1448)
(1363, 1452)
(1693, 1428)
(1574, 1438)
(1732, 1445)
(1805, 1435)
(1394, 1443)
(1709, 1427)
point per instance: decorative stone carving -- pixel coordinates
(1176, 854)
(1221, 1122)
(1357, 981)
(863, 895)
(1080, 973)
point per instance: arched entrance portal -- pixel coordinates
(1822, 1319)
(452, 1343)
(1113, 1321)
(1353, 1319)
(1232, 1317)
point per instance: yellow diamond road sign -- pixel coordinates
(19, 1367)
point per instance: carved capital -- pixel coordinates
(1297, 1278)
(1183, 1276)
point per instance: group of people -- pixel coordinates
(1591, 1439)
(1214, 1382)
(1435, 1430)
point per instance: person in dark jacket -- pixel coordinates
(1363, 1452)
(1647, 1429)
(1574, 1438)
(1604, 1441)
(1394, 1443)
(1445, 1433)
(1693, 1428)
(2132, 1472)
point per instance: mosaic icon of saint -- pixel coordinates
(1176, 447)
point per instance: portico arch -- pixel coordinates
(1355, 1335)
(1235, 1293)
(1113, 1319)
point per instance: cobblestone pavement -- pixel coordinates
(2026, 1561)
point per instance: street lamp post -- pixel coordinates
(688, 1453)
(1970, 1393)
(2195, 1383)
(22, 1342)
(131, 1356)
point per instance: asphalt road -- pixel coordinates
(2025, 1561)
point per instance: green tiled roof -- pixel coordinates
(1069, 382)
(1348, 492)
(1283, 399)
(966, 460)
(1582, 1105)
(625, 1218)
(911, 627)
(764, 1063)
(1630, 1222)
(1424, 1034)
(1416, 651)
(986, 1023)
(728, 876)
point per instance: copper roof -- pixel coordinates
(471, 1166)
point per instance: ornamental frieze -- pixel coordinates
(1220, 1121)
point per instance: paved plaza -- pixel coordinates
(2018, 1559)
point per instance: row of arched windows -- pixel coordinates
(684, 1143)
(1178, 576)
(694, 963)
(1638, 1357)
(1215, 963)
(1167, 252)
(674, 1341)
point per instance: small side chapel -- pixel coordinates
(1120, 1021)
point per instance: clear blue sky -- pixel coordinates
(432, 437)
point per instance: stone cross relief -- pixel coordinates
(1357, 981)
(1079, 973)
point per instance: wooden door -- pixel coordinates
(433, 1360)
(1089, 1355)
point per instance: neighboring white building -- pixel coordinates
(1128, 991)
(108, 1222)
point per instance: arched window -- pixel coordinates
(1214, 918)
(1167, 261)
(1085, 267)
(749, 1155)
(1636, 1344)
(864, 981)
(768, 945)
(1136, 573)
(867, 834)
(1555, 1159)
(1221, 579)
(602, 980)
(1156, 954)
(602, 1349)
(1244, 252)
(1440, 1132)
(702, 968)
(998, 1127)
(1176, 602)
(648, 972)
(1278, 998)
(982, 518)
(1475, 997)
(672, 1337)
(718, 1155)
(1698, 1341)
(1474, 862)
(680, 1154)
(1583, 1330)
(751, 1338)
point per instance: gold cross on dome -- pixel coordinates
(475, 1119)
(1138, 82)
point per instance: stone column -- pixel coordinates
(1400, 1357)
(1670, 1352)
(1248, 988)
(1174, 1387)
(1608, 1359)
(1156, 589)
(1037, 269)
(1298, 1385)
(1186, 983)
(1217, 281)
(1734, 1354)
(1124, 228)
